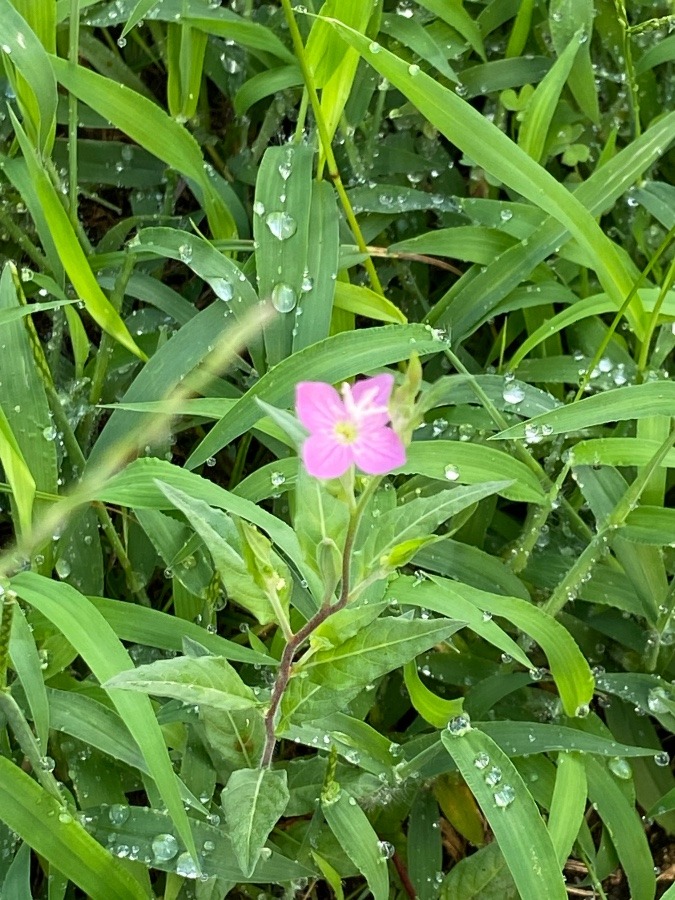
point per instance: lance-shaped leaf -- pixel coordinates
(204, 681)
(253, 801)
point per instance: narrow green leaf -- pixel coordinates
(37, 817)
(100, 648)
(433, 709)
(28, 667)
(253, 801)
(512, 814)
(356, 836)
(569, 804)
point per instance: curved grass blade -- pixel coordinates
(334, 359)
(356, 836)
(147, 124)
(100, 648)
(512, 814)
(490, 148)
(53, 833)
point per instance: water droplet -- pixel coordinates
(47, 764)
(49, 433)
(493, 777)
(386, 849)
(186, 866)
(459, 725)
(481, 761)
(505, 215)
(62, 568)
(284, 297)
(374, 47)
(451, 472)
(413, 70)
(657, 701)
(504, 796)
(620, 767)
(118, 813)
(281, 224)
(582, 711)
(307, 284)
(277, 479)
(513, 393)
(185, 253)
(285, 170)
(662, 759)
(222, 288)
(259, 208)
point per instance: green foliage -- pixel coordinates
(220, 676)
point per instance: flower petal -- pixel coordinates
(378, 451)
(324, 457)
(318, 405)
(373, 392)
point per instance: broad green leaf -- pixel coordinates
(473, 463)
(377, 649)
(226, 546)
(512, 814)
(71, 254)
(625, 829)
(482, 876)
(334, 359)
(635, 401)
(356, 836)
(253, 801)
(58, 837)
(100, 648)
(207, 680)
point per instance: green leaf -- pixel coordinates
(625, 829)
(377, 649)
(100, 648)
(253, 801)
(569, 804)
(71, 254)
(206, 680)
(487, 146)
(356, 836)
(512, 814)
(331, 360)
(55, 835)
(482, 876)
(473, 463)
(650, 525)
(635, 401)
(28, 667)
(433, 709)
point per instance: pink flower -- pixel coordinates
(347, 429)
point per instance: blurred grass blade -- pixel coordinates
(100, 648)
(55, 835)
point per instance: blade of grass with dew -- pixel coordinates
(100, 648)
(512, 814)
(185, 49)
(625, 829)
(617, 451)
(319, 284)
(356, 836)
(332, 360)
(72, 255)
(265, 84)
(33, 81)
(565, 17)
(150, 127)
(53, 833)
(24, 401)
(633, 401)
(490, 148)
(283, 193)
(459, 19)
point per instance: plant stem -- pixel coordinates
(327, 609)
(333, 171)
